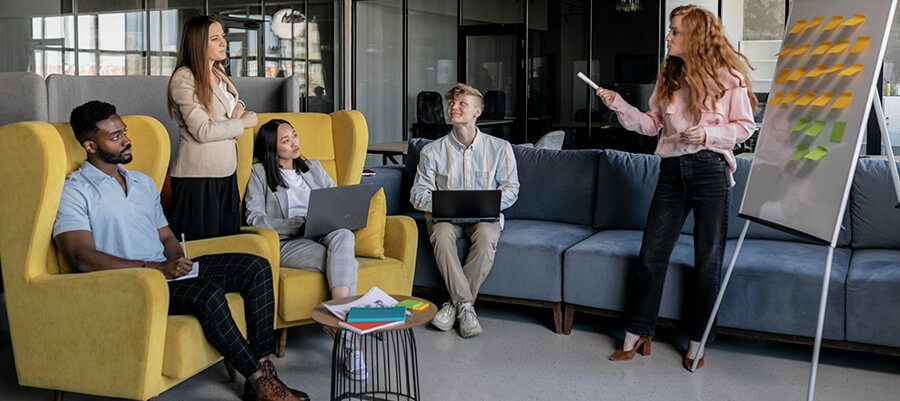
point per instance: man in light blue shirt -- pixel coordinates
(464, 159)
(111, 218)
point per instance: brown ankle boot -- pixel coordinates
(267, 389)
(268, 369)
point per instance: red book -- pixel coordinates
(367, 327)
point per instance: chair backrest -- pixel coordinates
(337, 140)
(551, 140)
(430, 108)
(29, 102)
(494, 105)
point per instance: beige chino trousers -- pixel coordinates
(463, 281)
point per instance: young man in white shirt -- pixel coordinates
(464, 159)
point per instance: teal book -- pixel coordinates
(391, 314)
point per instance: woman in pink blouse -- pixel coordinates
(703, 105)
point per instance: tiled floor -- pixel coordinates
(519, 358)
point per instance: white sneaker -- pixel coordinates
(468, 320)
(355, 366)
(445, 317)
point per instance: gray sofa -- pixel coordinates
(576, 230)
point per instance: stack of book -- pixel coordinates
(375, 310)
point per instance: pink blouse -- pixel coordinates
(731, 122)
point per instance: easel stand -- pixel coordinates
(823, 299)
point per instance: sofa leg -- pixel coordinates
(232, 375)
(282, 342)
(58, 395)
(570, 318)
(558, 318)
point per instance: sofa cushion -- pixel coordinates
(555, 185)
(776, 285)
(528, 262)
(874, 218)
(625, 185)
(596, 271)
(873, 291)
(186, 351)
(390, 179)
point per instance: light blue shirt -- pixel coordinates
(447, 164)
(126, 226)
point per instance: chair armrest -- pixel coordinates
(401, 238)
(351, 138)
(391, 179)
(262, 242)
(100, 333)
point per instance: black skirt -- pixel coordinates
(205, 207)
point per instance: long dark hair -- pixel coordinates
(265, 150)
(192, 54)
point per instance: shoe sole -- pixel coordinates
(471, 334)
(442, 327)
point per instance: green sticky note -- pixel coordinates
(802, 124)
(801, 150)
(837, 131)
(815, 128)
(817, 154)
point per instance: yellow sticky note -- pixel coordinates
(857, 18)
(815, 22)
(801, 150)
(775, 98)
(823, 99)
(823, 47)
(840, 46)
(790, 97)
(817, 154)
(800, 50)
(843, 100)
(782, 76)
(853, 69)
(860, 45)
(797, 74)
(801, 23)
(807, 97)
(836, 67)
(787, 49)
(835, 21)
(819, 70)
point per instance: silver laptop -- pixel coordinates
(338, 207)
(464, 207)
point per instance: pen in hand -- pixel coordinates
(183, 248)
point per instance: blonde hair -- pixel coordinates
(463, 89)
(708, 51)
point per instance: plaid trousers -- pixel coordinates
(204, 298)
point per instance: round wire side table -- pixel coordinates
(389, 354)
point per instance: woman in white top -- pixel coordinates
(278, 197)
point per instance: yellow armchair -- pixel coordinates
(106, 333)
(337, 140)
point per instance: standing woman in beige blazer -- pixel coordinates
(210, 118)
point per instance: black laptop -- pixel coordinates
(463, 207)
(337, 207)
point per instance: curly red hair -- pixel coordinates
(708, 52)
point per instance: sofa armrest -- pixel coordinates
(391, 179)
(99, 333)
(259, 241)
(401, 237)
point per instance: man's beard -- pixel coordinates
(113, 158)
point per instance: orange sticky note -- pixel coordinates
(841, 45)
(782, 76)
(835, 21)
(857, 18)
(787, 49)
(853, 69)
(807, 97)
(801, 23)
(775, 98)
(823, 99)
(823, 47)
(860, 45)
(797, 74)
(800, 50)
(843, 100)
(815, 22)
(791, 97)
(819, 70)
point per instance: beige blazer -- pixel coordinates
(207, 138)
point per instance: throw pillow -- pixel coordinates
(370, 240)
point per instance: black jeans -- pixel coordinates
(697, 182)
